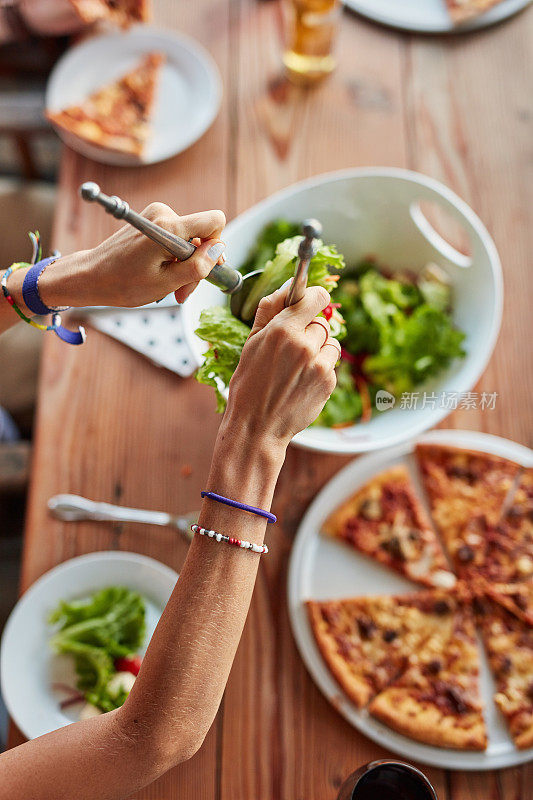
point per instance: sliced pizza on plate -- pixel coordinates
(367, 641)
(462, 10)
(461, 485)
(385, 520)
(498, 559)
(117, 116)
(120, 12)
(436, 700)
(509, 644)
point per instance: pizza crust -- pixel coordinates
(358, 690)
(402, 711)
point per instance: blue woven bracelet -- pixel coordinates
(32, 299)
(260, 512)
(30, 287)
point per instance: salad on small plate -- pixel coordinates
(102, 633)
(395, 327)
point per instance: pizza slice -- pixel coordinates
(498, 559)
(462, 484)
(436, 700)
(385, 519)
(509, 644)
(367, 641)
(117, 115)
(120, 12)
(462, 10)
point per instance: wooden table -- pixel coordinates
(113, 427)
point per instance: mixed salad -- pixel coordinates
(395, 328)
(103, 634)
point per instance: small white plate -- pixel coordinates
(323, 569)
(188, 95)
(430, 16)
(28, 667)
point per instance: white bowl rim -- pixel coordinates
(305, 439)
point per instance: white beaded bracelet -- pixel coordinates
(220, 537)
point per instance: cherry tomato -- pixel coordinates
(128, 664)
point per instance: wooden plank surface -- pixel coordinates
(113, 427)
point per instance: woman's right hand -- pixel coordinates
(287, 368)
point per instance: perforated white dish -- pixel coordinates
(377, 211)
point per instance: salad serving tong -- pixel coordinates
(224, 277)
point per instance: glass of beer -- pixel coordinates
(310, 27)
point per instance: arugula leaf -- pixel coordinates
(226, 336)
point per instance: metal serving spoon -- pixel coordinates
(226, 278)
(74, 508)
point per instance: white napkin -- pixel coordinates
(156, 332)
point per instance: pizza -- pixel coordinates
(498, 559)
(509, 644)
(413, 660)
(462, 10)
(436, 700)
(120, 12)
(460, 485)
(385, 519)
(117, 116)
(367, 641)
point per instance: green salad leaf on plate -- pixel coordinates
(96, 632)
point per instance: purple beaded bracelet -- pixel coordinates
(260, 512)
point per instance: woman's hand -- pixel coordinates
(128, 269)
(286, 371)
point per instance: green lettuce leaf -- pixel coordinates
(282, 266)
(226, 336)
(95, 631)
(344, 407)
(413, 349)
(265, 247)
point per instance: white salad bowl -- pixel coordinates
(377, 211)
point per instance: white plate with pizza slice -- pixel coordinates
(323, 568)
(437, 16)
(88, 84)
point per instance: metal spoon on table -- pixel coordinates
(74, 508)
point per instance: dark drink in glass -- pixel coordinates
(387, 780)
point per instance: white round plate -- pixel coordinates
(377, 211)
(430, 16)
(188, 94)
(28, 667)
(322, 569)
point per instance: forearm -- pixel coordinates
(90, 760)
(178, 691)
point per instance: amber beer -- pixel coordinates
(309, 28)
